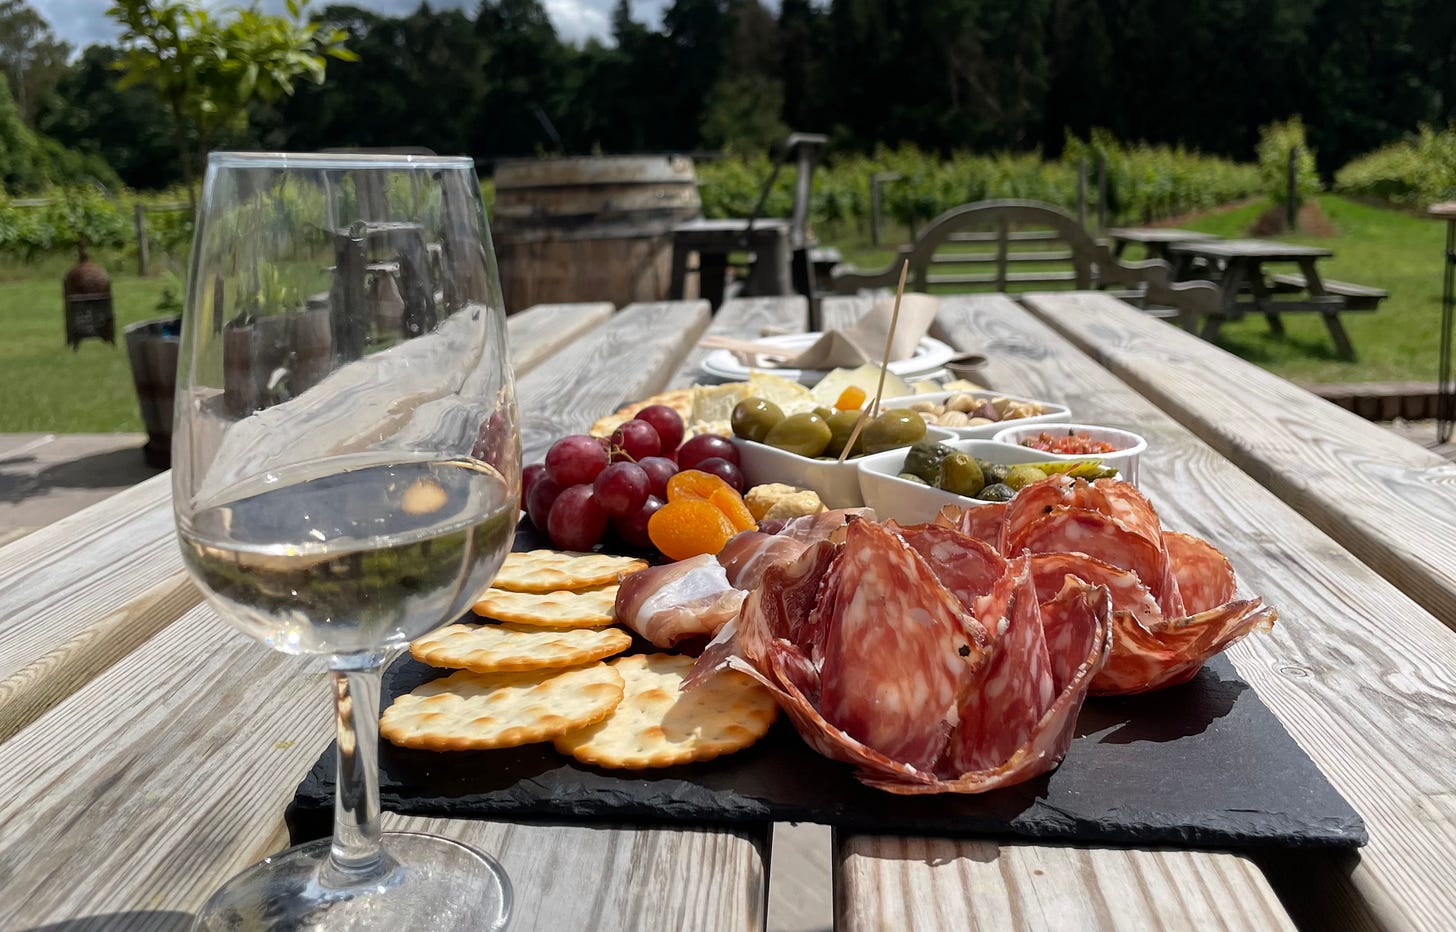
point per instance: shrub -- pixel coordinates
(1415, 172)
(1276, 141)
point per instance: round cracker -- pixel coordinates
(497, 648)
(473, 711)
(678, 399)
(593, 608)
(659, 725)
(556, 570)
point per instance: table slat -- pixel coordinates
(1389, 501)
(747, 318)
(1359, 674)
(545, 329)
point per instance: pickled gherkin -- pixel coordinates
(997, 492)
(924, 459)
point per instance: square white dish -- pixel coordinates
(882, 489)
(1053, 412)
(837, 483)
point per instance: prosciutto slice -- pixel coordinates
(678, 601)
(1172, 595)
(920, 656)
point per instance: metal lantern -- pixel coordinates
(87, 290)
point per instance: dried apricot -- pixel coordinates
(694, 483)
(851, 399)
(734, 509)
(689, 527)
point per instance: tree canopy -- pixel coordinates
(945, 75)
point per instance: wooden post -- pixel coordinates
(1291, 208)
(1101, 191)
(877, 181)
(1082, 192)
(141, 234)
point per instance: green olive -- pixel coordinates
(896, 427)
(824, 412)
(753, 418)
(805, 434)
(959, 473)
(997, 492)
(911, 477)
(1023, 475)
(841, 425)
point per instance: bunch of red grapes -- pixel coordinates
(587, 484)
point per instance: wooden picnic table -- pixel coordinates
(1238, 267)
(150, 749)
(1154, 240)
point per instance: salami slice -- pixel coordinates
(969, 568)
(1099, 537)
(1050, 570)
(1146, 660)
(1205, 576)
(1010, 692)
(982, 522)
(895, 648)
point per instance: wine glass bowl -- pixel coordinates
(346, 471)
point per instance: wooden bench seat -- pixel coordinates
(1357, 297)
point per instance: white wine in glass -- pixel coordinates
(346, 472)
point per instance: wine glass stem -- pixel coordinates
(356, 856)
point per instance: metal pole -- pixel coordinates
(1291, 209)
(1082, 192)
(1101, 191)
(140, 214)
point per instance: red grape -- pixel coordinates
(659, 469)
(576, 459)
(635, 440)
(724, 470)
(704, 446)
(667, 422)
(529, 477)
(576, 521)
(543, 495)
(621, 488)
(632, 528)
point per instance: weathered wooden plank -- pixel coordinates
(1389, 501)
(147, 787)
(69, 595)
(986, 887)
(632, 356)
(885, 882)
(1359, 674)
(537, 333)
(748, 318)
(77, 596)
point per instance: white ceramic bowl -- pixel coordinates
(1054, 412)
(915, 503)
(1129, 445)
(837, 483)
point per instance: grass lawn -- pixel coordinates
(46, 387)
(1375, 246)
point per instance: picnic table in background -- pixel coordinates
(150, 749)
(1238, 267)
(1154, 240)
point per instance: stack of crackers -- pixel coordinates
(535, 669)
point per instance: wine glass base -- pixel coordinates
(436, 884)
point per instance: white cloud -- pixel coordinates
(84, 22)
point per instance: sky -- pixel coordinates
(83, 22)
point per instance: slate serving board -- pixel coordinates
(1204, 764)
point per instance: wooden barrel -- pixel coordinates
(589, 229)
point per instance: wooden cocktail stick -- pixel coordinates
(873, 408)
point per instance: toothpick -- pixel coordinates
(873, 409)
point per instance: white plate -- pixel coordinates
(931, 354)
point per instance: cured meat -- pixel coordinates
(677, 601)
(983, 522)
(1172, 595)
(748, 554)
(927, 674)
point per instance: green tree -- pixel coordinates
(744, 110)
(209, 68)
(524, 71)
(30, 57)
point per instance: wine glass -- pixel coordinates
(346, 472)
